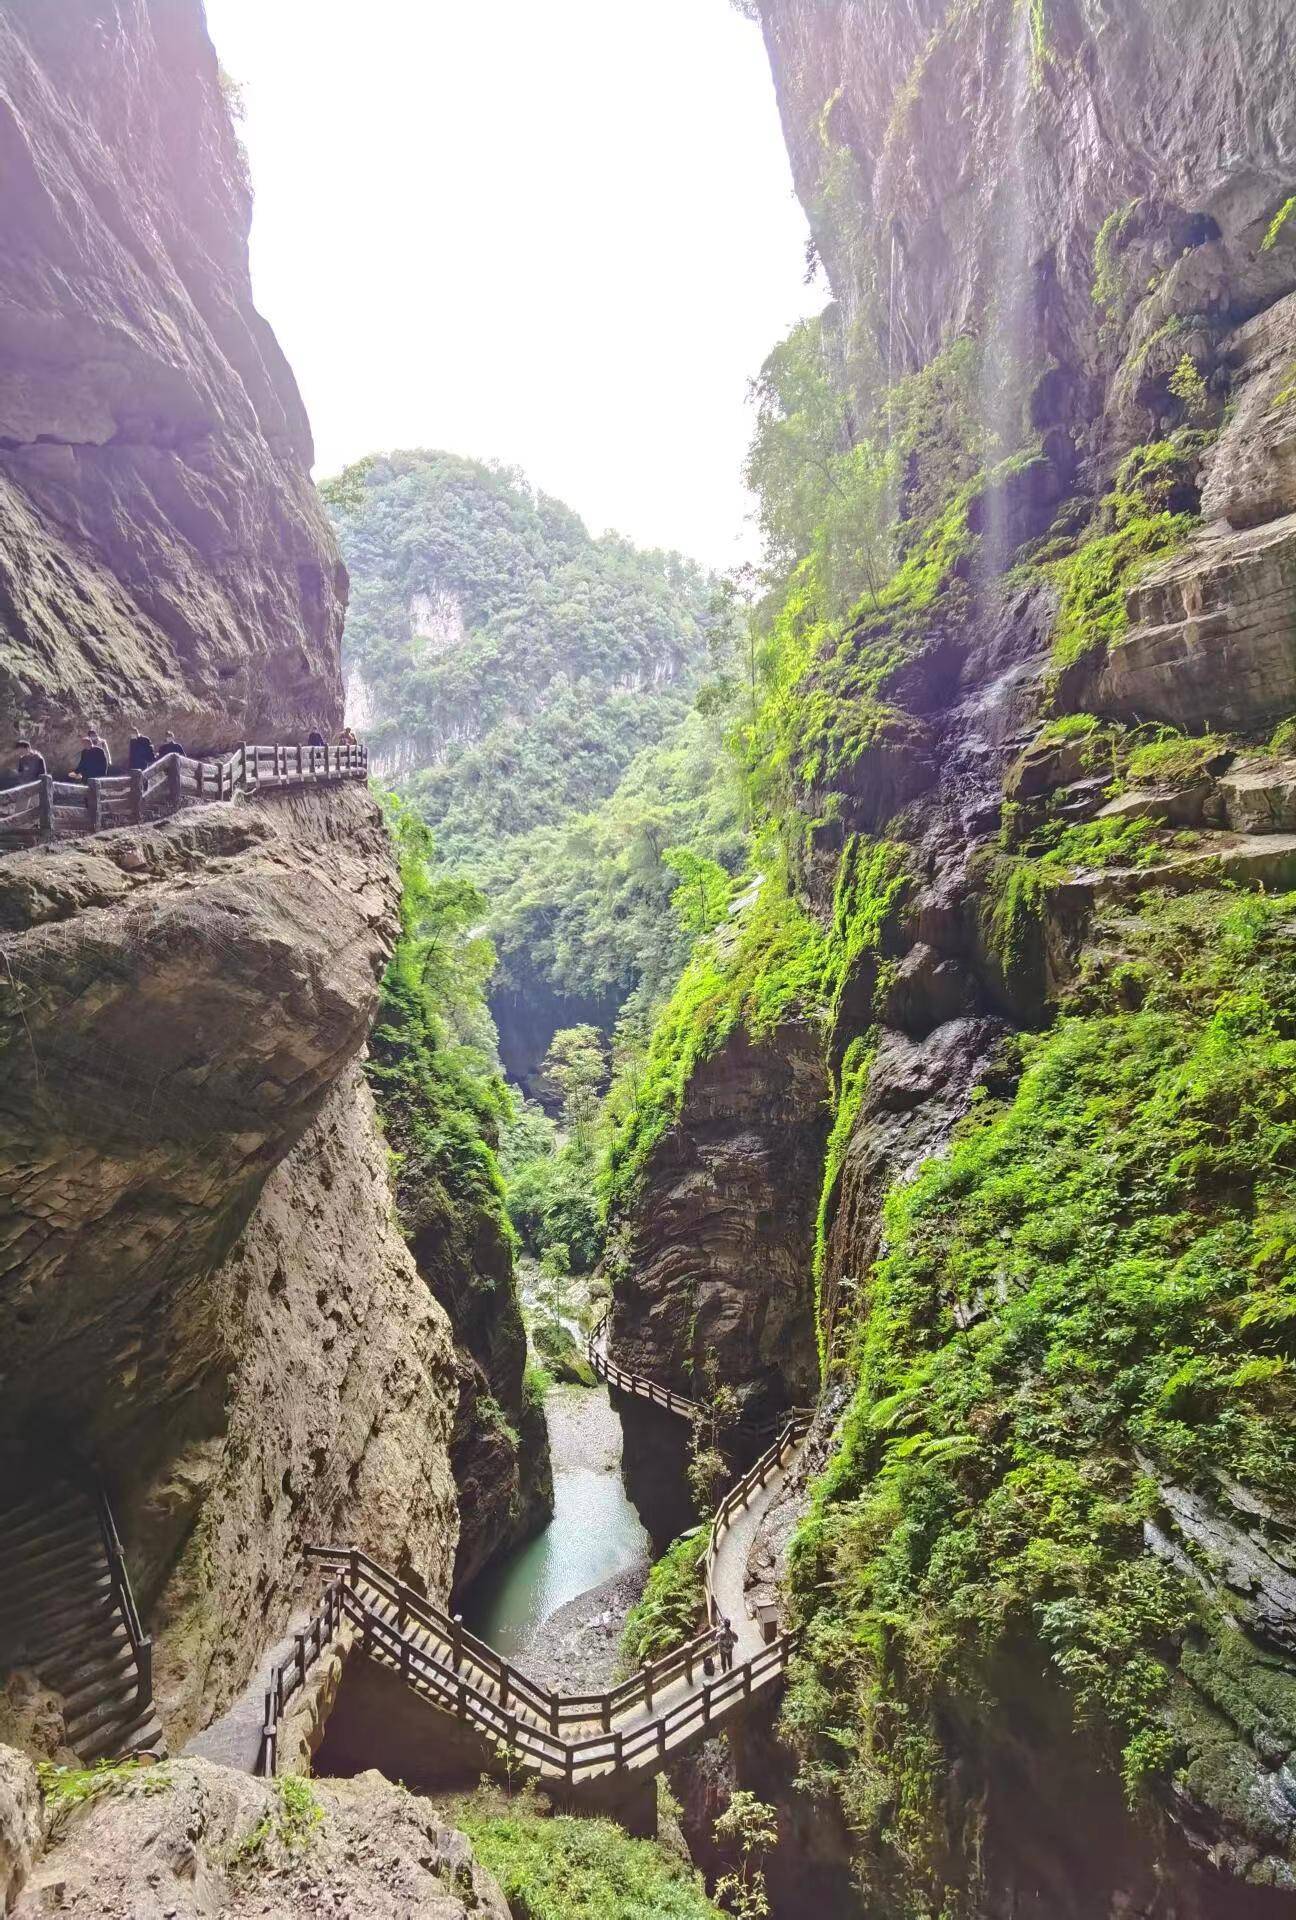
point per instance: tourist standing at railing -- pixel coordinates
(93, 764)
(169, 746)
(315, 738)
(347, 738)
(30, 765)
(727, 1640)
(139, 753)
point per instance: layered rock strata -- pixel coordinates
(163, 558)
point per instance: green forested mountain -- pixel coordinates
(531, 690)
(508, 664)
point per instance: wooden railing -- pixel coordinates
(634, 1383)
(141, 1642)
(536, 1726)
(289, 1676)
(42, 810)
(737, 1497)
(460, 1652)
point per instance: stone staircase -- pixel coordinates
(66, 1613)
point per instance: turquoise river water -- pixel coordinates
(595, 1531)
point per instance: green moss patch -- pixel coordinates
(669, 1611)
(568, 1869)
(1119, 1241)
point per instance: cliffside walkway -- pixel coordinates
(636, 1384)
(46, 810)
(568, 1740)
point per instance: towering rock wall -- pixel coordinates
(205, 1294)
(163, 557)
(1030, 774)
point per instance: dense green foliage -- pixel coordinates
(531, 693)
(770, 963)
(1122, 1237)
(513, 663)
(585, 906)
(551, 1170)
(568, 1869)
(431, 1067)
(1096, 579)
(669, 1611)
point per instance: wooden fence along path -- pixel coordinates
(637, 1384)
(49, 809)
(631, 1730)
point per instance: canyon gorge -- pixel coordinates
(843, 1017)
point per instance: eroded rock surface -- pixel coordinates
(716, 1270)
(191, 1840)
(22, 1824)
(176, 1006)
(163, 556)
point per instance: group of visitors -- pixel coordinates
(95, 760)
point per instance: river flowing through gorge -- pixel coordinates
(595, 1533)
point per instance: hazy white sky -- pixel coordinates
(560, 234)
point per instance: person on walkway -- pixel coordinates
(728, 1641)
(140, 754)
(169, 745)
(315, 738)
(93, 764)
(30, 765)
(347, 738)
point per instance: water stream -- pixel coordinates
(595, 1531)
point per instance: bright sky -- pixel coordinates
(559, 234)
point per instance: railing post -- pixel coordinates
(618, 1749)
(355, 1568)
(137, 796)
(402, 1606)
(405, 1661)
(706, 1704)
(47, 807)
(647, 1684)
(456, 1641)
(300, 1638)
(607, 1713)
(244, 782)
(173, 780)
(504, 1685)
(144, 1668)
(92, 804)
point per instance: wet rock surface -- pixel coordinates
(717, 1269)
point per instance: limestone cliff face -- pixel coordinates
(205, 1293)
(934, 147)
(958, 166)
(338, 1371)
(714, 1268)
(163, 557)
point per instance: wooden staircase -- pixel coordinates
(66, 1612)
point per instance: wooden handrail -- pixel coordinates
(637, 1384)
(465, 1676)
(603, 1752)
(791, 1436)
(288, 1676)
(47, 808)
(141, 1642)
(464, 1648)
